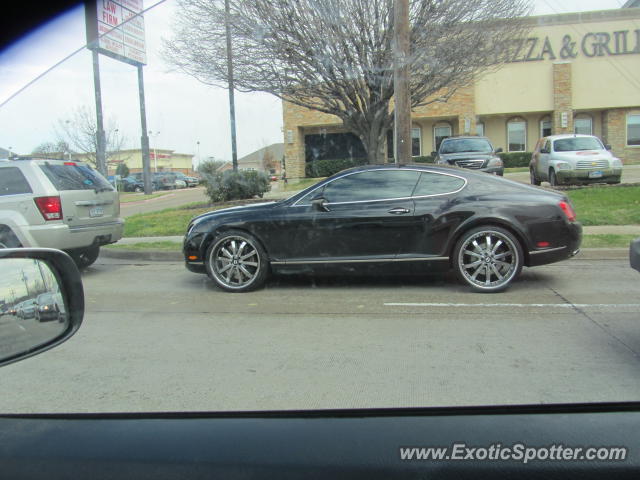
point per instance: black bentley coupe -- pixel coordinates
(393, 217)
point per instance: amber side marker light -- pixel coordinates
(192, 257)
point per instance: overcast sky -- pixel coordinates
(183, 110)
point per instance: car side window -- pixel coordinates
(371, 186)
(547, 146)
(13, 182)
(437, 184)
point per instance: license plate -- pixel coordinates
(96, 212)
(595, 174)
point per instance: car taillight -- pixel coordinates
(50, 207)
(568, 211)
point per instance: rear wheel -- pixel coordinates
(85, 257)
(533, 178)
(8, 239)
(488, 258)
(236, 262)
(553, 180)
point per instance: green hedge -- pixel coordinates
(326, 168)
(515, 159)
(230, 185)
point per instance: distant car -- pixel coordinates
(26, 309)
(181, 183)
(67, 205)
(634, 254)
(273, 178)
(472, 152)
(132, 184)
(165, 180)
(189, 181)
(573, 159)
(46, 307)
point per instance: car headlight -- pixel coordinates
(495, 162)
(616, 163)
(563, 166)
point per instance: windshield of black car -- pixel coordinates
(74, 177)
(575, 144)
(463, 145)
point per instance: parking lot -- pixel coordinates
(158, 338)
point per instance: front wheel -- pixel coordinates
(533, 178)
(85, 257)
(553, 180)
(488, 258)
(236, 262)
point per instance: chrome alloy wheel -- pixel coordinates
(235, 262)
(488, 260)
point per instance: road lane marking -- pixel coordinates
(22, 328)
(518, 305)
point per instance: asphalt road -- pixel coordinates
(159, 338)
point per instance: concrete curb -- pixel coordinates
(164, 256)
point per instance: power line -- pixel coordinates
(75, 52)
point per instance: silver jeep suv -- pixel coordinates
(57, 204)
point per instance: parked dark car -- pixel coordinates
(132, 184)
(470, 152)
(484, 227)
(190, 181)
(159, 180)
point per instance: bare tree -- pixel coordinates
(335, 56)
(268, 160)
(80, 132)
(54, 150)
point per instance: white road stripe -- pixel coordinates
(22, 328)
(519, 305)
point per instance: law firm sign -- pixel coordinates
(116, 29)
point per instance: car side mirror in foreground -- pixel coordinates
(321, 204)
(607, 146)
(41, 301)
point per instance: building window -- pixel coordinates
(480, 129)
(545, 127)
(416, 141)
(517, 135)
(440, 132)
(633, 129)
(583, 125)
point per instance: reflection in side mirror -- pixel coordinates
(320, 204)
(41, 301)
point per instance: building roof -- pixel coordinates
(254, 160)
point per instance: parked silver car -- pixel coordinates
(57, 204)
(573, 159)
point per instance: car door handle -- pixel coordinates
(399, 211)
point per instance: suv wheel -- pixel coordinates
(85, 257)
(488, 258)
(533, 178)
(553, 180)
(8, 239)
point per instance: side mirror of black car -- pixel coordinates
(321, 204)
(499, 150)
(607, 146)
(41, 301)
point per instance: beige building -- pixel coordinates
(267, 159)
(576, 73)
(160, 160)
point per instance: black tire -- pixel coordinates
(138, 189)
(532, 177)
(85, 257)
(8, 239)
(485, 253)
(553, 180)
(237, 262)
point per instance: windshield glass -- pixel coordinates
(576, 144)
(461, 145)
(502, 280)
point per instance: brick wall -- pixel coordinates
(614, 132)
(562, 98)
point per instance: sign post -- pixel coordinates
(116, 28)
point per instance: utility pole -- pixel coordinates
(144, 139)
(401, 89)
(232, 106)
